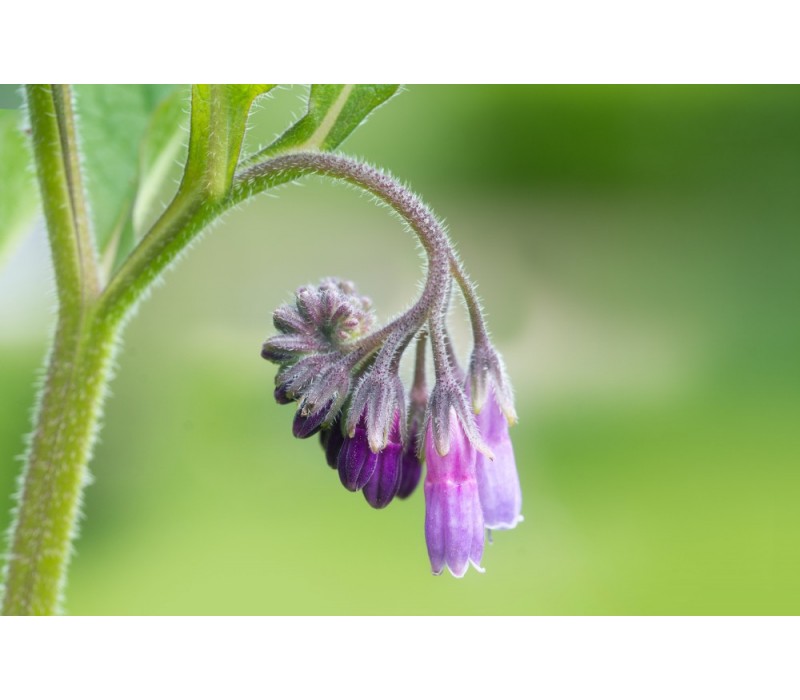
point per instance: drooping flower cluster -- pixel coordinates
(344, 378)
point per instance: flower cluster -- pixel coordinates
(343, 377)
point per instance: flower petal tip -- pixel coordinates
(461, 572)
(506, 525)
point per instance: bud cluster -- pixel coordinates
(344, 378)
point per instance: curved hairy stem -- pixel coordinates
(187, 217)
(411, 210)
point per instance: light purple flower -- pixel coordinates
(453, 518)
(498, 481)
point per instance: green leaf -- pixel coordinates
(164, 139)
(238, 99)
(18, 191)
(113, 120)
(334, 111)
(219, 120)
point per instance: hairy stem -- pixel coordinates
(56, 467)
(386, 190)
(66, 415)
(81, 233)
(419, 390)
(55, 152)
(189, 214)
(480, 333)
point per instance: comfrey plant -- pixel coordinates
(99, 179)
(343, 375)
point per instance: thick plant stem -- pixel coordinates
(56, 471)
(67, 413)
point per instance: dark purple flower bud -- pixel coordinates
(281, 395)
(385, 480)
(287, 320)
(331, 440)
(498, 481)
(379, 399)
(322, 318)
(356, 462)
(294, 379)
(453, 517)
(308, 424)
(287, 348)
(330, 388)
(411, 471)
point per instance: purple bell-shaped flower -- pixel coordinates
(453, 517)
(498, 481)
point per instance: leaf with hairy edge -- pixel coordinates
(160, 151)
(18, 193)
(334, 112)
(218, 124)
(239, 99)
(112, 120)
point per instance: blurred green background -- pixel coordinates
(637, 250)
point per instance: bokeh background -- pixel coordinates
(637, 249)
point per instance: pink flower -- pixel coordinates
(453, 518)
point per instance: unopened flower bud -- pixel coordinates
(307, 424)
(330, 388)
(385, 480)
(281, 395)
(331, 440)
(411, 470)
(293, 380)
(410, 473)
(287, 348)
(356, 461)
(376, 401)
(322, 318)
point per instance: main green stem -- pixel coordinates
(56, 470)
(77, 372)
